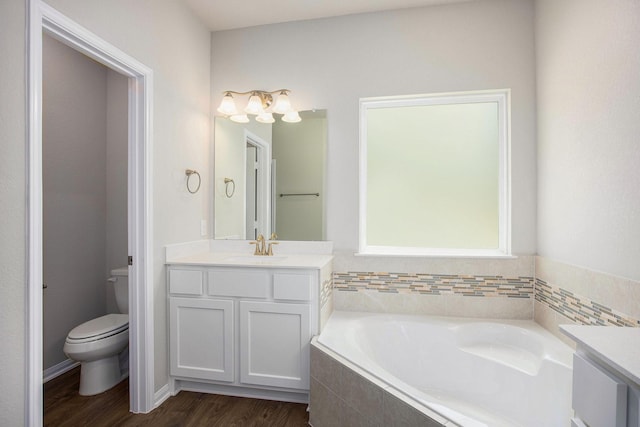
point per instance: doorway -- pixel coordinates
(84, 165)
(45, 20)
(257, 186)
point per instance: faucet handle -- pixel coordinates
(270, 250)
(257, 250)
(274, 236)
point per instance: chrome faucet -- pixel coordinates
(264, 248)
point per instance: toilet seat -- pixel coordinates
(99, 328)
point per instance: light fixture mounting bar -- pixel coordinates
(251, 92)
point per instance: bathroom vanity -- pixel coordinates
(241, 324)
(606, 375)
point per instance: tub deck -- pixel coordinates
(442, 371)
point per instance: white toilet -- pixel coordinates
(101, 345)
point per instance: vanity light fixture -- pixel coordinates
(260, 105)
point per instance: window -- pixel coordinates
(434, 174)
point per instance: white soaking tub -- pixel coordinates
(472, 372)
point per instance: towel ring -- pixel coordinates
(189, 173)
(228, 181)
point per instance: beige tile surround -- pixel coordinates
(492, 303)
(342, 394)
(598, 294)
(616, 294)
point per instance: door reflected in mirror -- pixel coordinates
(270, 178)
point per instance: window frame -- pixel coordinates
(503, 98)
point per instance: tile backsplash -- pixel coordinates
(568, 294)
(580, 309)
(477, 296)
(435, 284)
(552, 293)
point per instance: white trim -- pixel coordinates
(433, 252)
(33, 384)
(44, 18)
(273, 188)
(503, 98)
(161, 395)
(264, 192)
(56, 370)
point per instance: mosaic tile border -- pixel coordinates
(326, 290)
(434, 284)
(580, 309)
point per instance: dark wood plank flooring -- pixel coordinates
(63, 406)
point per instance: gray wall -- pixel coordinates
(74, 137)
(85, 190)
(13, 244)
(331, 63)
(117, 157)
(588, 63)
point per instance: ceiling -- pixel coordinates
(231, 14)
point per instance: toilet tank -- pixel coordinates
(121, 288)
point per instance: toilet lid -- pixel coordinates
(106, 325)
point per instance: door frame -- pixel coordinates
(263, 187)
(43, 18)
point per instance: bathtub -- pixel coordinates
(471, 372)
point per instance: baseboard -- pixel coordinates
(161, 395)
(240, 391)
(59, 369)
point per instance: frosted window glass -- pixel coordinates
(433, 176)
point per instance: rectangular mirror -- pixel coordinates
(270, 178)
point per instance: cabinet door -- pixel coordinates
(201, 338)
(274, 344)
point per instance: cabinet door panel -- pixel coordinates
(274, 344)
(201, 334)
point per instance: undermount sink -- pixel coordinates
(256, 259)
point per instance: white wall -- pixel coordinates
(588, 63)
(331, 63)
(165, 36)
(12, 211)
(74, 145)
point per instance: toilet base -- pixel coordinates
(100, 375)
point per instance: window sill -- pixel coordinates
(387, 251)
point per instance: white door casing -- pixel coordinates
(43, 18)
(262, 184)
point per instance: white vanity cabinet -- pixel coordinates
(606, 376)
(274, 344)
(242, 330)
(202, 339)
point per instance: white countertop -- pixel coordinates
(242, 259)
(617, 346)
(238, 253)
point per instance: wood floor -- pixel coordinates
(63, 406)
